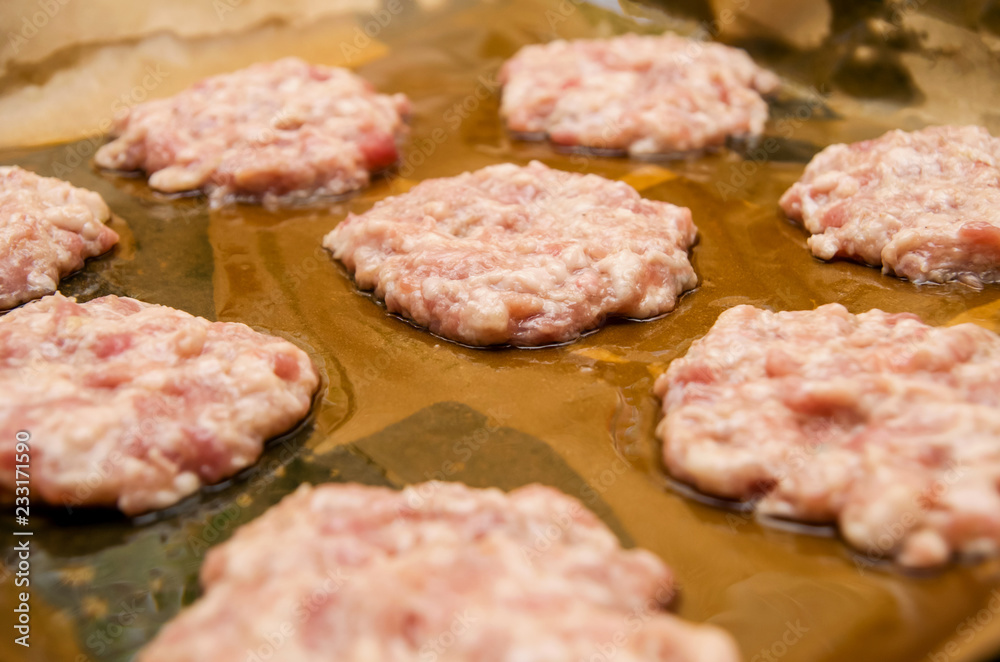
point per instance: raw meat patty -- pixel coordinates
(924, 205)
(641, 95)
(525, 255)
(274, 132)
(137, 405)
(439, 571)
(47, 229)
(877, 422)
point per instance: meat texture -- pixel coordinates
(438, 571)
(47, 229)
(134, 405)
(637, 94)
(877, 422)
(275, 133)
(923, 205)
(521, 255)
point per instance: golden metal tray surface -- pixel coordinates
(401, 406)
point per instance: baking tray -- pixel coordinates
(399, 405)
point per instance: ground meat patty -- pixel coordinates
(924, 205)
(136, 406)
(878, 422)
(274, 132)
(439, 571)
(47, 229)
(642, 95)
(525, 255)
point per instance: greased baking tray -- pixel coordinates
(401, 406)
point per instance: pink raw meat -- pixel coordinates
(923, 205)
(134, 405)
(877, 422)
(47, 229)
(637, 94)
(275, 133)
(438, 571)
(522, 255)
